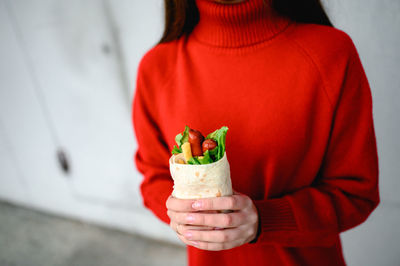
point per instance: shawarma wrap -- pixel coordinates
(200, 181)
(204, 175)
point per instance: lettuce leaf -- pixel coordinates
(178, 139)
(213, 154)
(219, 136)
(206, 158)
(176, 150)
(193, 160)
(182, 137)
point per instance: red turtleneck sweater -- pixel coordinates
(301, 139)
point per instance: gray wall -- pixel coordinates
(375, 29)
(67, 75)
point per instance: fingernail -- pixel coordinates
(197, 205)
(188, 235)
(189, 218)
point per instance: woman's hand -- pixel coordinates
(199, 223)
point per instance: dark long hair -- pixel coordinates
(181, 16)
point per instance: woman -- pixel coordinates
(301, 141)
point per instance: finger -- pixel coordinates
(180, 228)
(216, 236)
(175, 216)
(174, 226)
(217, 246)
(197, 228)
(234, 202)
(179, 205)
(223, 220)
(187, 242)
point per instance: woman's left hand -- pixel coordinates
(208, 229)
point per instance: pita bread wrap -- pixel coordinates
(200, 181)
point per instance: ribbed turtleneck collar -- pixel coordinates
(237, 25)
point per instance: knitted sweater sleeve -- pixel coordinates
(152, 155)
(345, 190)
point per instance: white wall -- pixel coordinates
(67, 77)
